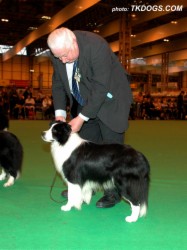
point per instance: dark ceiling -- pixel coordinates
(24, 14)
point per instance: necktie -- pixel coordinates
(76, 92)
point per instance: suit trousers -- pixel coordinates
(95, 130)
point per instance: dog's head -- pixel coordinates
(59, 131)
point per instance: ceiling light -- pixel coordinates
(96, 31)
(32, 28)
(46, 17)
(4, 20)
(174, 22)
(166, 40)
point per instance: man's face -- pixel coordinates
(67, 55)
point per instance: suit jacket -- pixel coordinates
(104, 83)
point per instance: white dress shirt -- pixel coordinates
(69, 70)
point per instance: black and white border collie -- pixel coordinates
(11, 156)
(86, 166)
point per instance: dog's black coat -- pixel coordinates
(11, 153)
(128, 168)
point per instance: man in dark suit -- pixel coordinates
(101, 109)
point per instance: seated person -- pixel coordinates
(18, 109)
(38, 103)
(29, 105)
(47, 106)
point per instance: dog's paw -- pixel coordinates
(130, 219)
(10, 182)
(66, 208)
(134, 215)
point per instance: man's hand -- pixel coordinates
(76, 124)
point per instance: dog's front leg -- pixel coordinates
(74, 197)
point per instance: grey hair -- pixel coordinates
(61, 38)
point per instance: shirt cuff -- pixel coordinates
(83, 117)
(60, 112)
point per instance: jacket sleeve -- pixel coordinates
(97, 77)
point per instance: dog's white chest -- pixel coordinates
(60, 155)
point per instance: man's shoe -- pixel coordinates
(65, 193)
(108, 200)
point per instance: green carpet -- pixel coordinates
(30, 220)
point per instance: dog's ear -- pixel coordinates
(64, 126)
(67, 128)
(61, 132)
